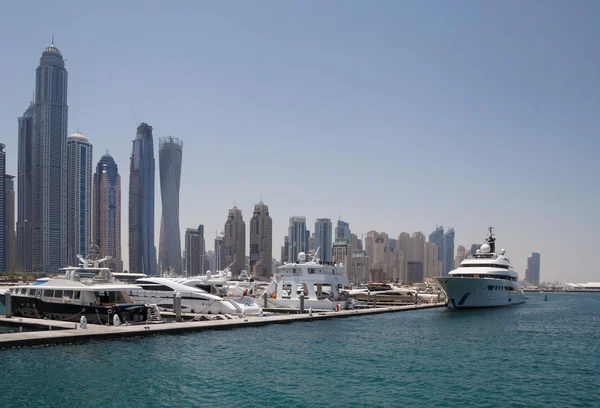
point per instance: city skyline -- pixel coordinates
(519, 123)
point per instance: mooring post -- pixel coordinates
(265, 296)
(374, 300)
(301, 303)
(177, 306)
(8, 303)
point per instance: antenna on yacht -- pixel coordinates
(491, 240)
(315, 258)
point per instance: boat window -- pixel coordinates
(476, 265)
(76, 294)
(311, 270)
(490, 287)
(68, 293)
(48, 293)
(31, 292)
(161, 288)
(24, 291)
(58, 293)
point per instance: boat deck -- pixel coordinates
(70, 332)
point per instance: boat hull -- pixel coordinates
(25, 306)
(475, 293)
(314, 304)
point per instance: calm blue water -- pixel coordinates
(542, 354)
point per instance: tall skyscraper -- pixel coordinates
(323, 238)
(195, 251)
(25, 237)
(418, 244)
(10, 242)
(405, 244)
(49, 167)
(474, 248)
(285, 250)
(461, 255)
(107, 211)
(235, 242)
(79, 197)
(219, 254)
(261, 242)
(448, 262)
(342, 232)
(2, 208)
(532, 273)
(298, 240)
(437, 237)
(170, 153)
(430, 262)
(142, 251)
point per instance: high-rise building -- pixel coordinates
(448, 261)
(2, 208)
(49, 167)
(359, 267)
(219, 254)
(342, 253)
(418, 244)
(532, 273)
(437, 237)
(342, 232)
(285, 250)
(298, 240)
(25, 237)
(414, 271)
(107, 211)
(170, 153)
(474, 248)
(142, 251)
(323, 238)
(405, 244)
(79, 197)
(430, 264)
(356, 242)
(261, 242)
(194, 251)
(235, 242)
(311, 241)
(10, 241)
(461, 255)
(392, 243)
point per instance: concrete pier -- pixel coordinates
(68, 332)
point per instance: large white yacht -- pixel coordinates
(193, 299)
(307, 278)
(485, 280)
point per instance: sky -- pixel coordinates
(393, 115)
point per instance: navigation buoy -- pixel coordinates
(546, 297)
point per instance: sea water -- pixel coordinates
(540, 354)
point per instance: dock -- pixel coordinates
(58, 332)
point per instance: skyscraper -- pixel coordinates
(461, 255)
(79, 197)
(235, 242)
(430, 265)
(298, 240)
(323, 238)
(285, 250)
(437, 237)
(448, 262)
(418, 244)
(194, 251)
(49, 169)
(2, 208)
(170, 152)
(9, 222)
(142, 251)
(342, 232)
(219, 254)
(404, 243)
(532, 273)
(107, 211)
(25, 237)
(261, 242)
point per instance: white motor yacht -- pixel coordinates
(193, 299)
(308, 278)
(485, 280)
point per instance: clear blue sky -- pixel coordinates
(393, 114)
